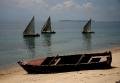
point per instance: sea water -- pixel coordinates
(67, 40)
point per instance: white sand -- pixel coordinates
(18, 75)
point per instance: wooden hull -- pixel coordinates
(87, 32)
(48, 32)
(68, 63)
(33, 35)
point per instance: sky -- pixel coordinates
(99, 10)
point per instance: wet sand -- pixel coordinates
(17, 75)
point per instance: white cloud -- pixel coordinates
(70, 5)
(30, 3)
(66, 6)
(41, 3)
(61, 8)
(88, 7)
(73, 9)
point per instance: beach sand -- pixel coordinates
(17, 75)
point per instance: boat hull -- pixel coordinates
(87, 32)
(48, 32)
(32, 35)
(63, 68)
(68, 63)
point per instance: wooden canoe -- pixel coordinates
(67, 63)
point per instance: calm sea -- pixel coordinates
(68, 39)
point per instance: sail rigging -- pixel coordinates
(87, 27)
(47, 26)
(30, 29)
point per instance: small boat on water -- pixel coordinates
(68, 63)
(87, 27)
(47, 27)
(30, 29)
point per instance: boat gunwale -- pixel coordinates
(51, 68)
(29, 62)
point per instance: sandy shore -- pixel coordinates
(18, 75)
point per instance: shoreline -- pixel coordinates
(77, 52)
(15, 74)
(6, 66)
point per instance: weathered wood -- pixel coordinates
(68, 63)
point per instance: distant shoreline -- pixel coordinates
(75, 20)
(86, 21)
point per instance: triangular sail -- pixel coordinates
(30, 29)
(47, 26)
(87, 27)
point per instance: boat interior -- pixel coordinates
(70, 59)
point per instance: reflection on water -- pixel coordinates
(47, 39)
(87, 41)
(14, 47)
(46, 42)
(30, 45)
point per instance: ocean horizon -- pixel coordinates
(67, 40)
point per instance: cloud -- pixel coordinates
(67, 5)
(82, 9)
(88, 7)
(62, 8)
(45, 5)
(31, 3)
(72, 7)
